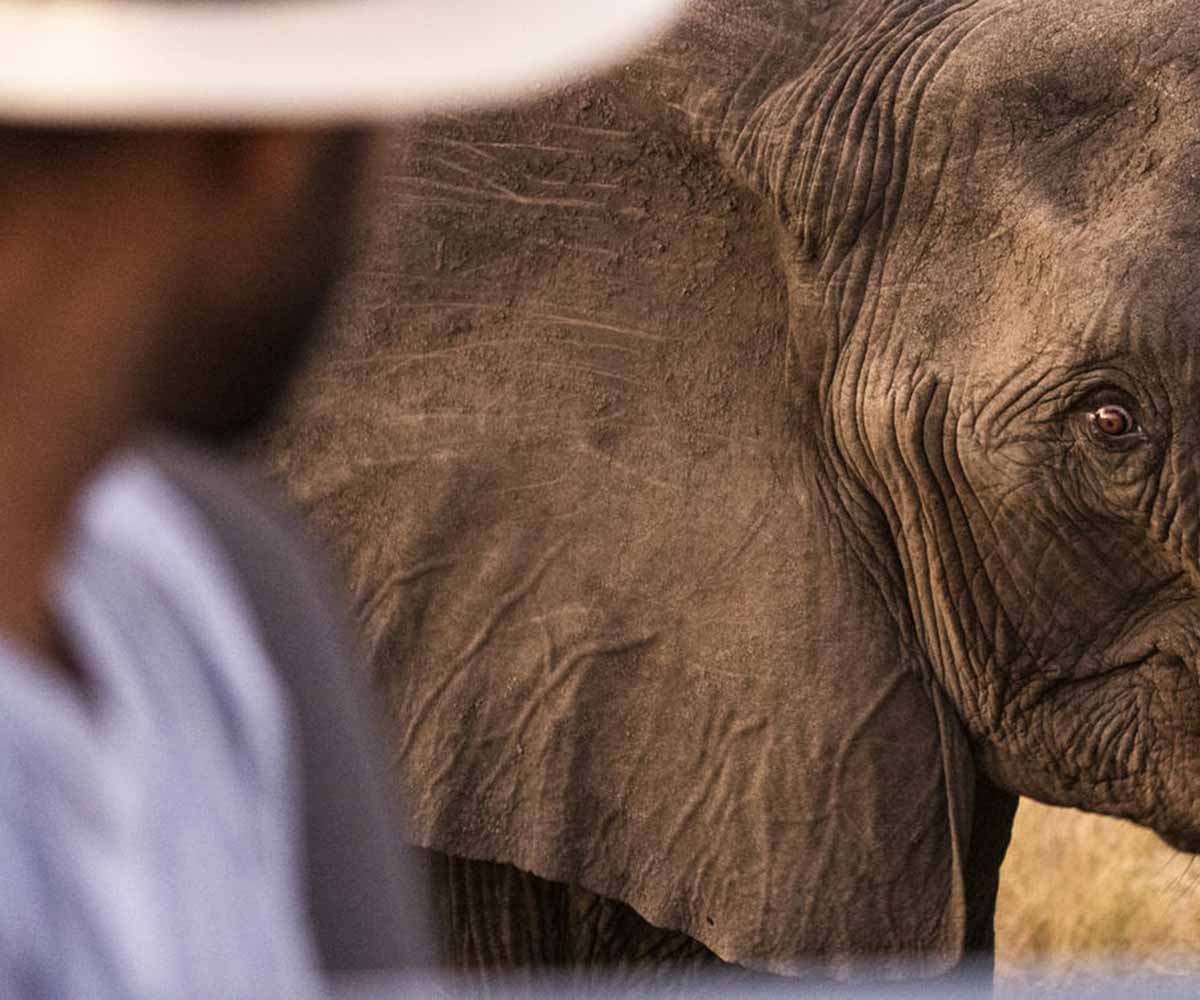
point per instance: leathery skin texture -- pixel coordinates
(757, 468)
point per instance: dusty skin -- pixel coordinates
(756, 469)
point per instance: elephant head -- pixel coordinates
(758, 467)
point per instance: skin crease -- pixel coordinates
(858, 488)
(116, 261)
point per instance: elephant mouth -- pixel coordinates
(1128, 660)
(1150, 657)
(1186, 841)
(1178, 827)
(1139, 650)
(1124, 660)
(1167, 636)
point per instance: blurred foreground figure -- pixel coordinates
(175, 183)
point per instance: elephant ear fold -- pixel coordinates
(830, 824)
(601, 572)
(917, 809)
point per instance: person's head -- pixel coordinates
(177, 180)
(199, 260)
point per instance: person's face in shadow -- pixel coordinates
(237, 333)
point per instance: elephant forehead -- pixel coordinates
(1075, 103)
(1059, 50)
(1052, 184)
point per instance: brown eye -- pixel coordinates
(1113, 420)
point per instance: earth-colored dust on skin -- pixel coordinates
(1078, 891)
(548, 283)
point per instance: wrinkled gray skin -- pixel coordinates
(713, 451)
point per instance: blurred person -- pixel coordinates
(176, 183)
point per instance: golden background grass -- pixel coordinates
(1078, 892)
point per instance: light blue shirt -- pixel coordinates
(149, 842)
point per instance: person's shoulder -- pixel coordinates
(237, 503)
(292, 586)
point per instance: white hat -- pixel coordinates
(118, 62)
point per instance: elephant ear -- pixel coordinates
(597, 563)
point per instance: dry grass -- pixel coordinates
(1079, 891)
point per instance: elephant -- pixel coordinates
(758, 467)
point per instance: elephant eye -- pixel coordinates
(1112, 420)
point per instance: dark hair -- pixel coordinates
(49, 144)
(26, 149)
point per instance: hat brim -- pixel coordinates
(313, 61)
